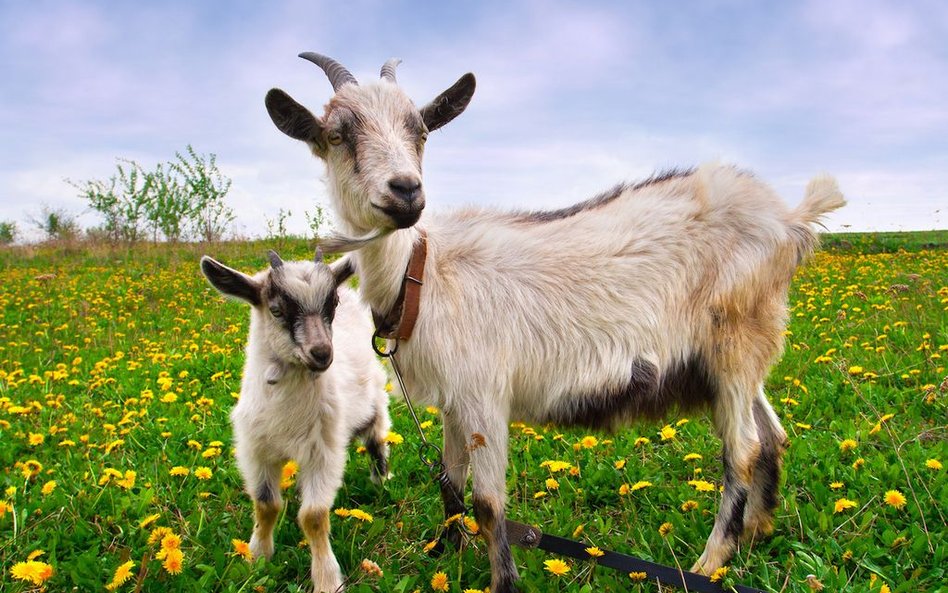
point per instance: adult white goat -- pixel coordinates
(306, 392)
(669, 292)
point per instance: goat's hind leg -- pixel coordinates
(762, 500)
(734, 421)
(376, 444)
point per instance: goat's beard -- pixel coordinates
(339, 243)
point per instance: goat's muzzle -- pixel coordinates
(405, 200)
(317, 358)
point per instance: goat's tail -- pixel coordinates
(822, 197)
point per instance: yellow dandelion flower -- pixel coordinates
(556, 566)
(148, 520)
(537, 495)
(689, 505)
(439, 582)
(179, 470)
(641, 441)
(361, 515)
(4, 507)
(48, 487)
(855, 370)
(885, 588)
(552, 484)
(701, 485)
(623, 490)
(579, 530)
(843, 504)
(595, 552)
(171, 541)
(35, 554)
(894, 498)
(665, 528)
(127, 482)
(210, 452)
(667, 433)
(588, 442)
(472, 525)
(157, 534)
(933, 464)
(836, 485)
(847, 445)
(719, 574)
(693, 457)
(32, 570)
(637, 577)
(341, 512)
(473, 591)
(173, 561)
(430, 546)
(122, 574)
(36, 439)
(858, 463)
(30, 468)
(556, 466)
(639, 485)
(620, 464)
(203, 473)
(393, 438)
(242, 549)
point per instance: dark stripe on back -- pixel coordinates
(601, 199)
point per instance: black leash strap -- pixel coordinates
(529, 537)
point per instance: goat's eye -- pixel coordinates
(334, 138)
(423, 137)
(275, 311)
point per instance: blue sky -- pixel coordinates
(572, 97)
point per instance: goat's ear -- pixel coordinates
(293, 119)
(342, 269)
(231, 282)
(449, 104)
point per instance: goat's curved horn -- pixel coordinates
(388, 69)
(337, 73)
(275, 261)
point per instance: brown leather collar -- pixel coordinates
(400, 320)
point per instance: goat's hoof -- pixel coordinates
(261, 549)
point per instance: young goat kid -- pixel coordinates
(311, 382)
(667, 293)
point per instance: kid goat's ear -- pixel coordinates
(230, 282)
(342, 269)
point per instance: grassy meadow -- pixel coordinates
(118, 369)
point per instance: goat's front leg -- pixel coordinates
(455, 458)
(489, 470)
(262, 481)
(318, 491)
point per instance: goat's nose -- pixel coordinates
(321, 357)
(405, 187)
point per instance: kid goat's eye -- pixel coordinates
(275, 311)
(334, 138)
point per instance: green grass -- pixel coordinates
(93, 340)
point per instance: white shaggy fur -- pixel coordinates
(669, 292)
(286, 411)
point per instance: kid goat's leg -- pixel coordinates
(455, 457)
(263, 484)
(489, 470)
(377, 447)
(734, 421)
(318, 491)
